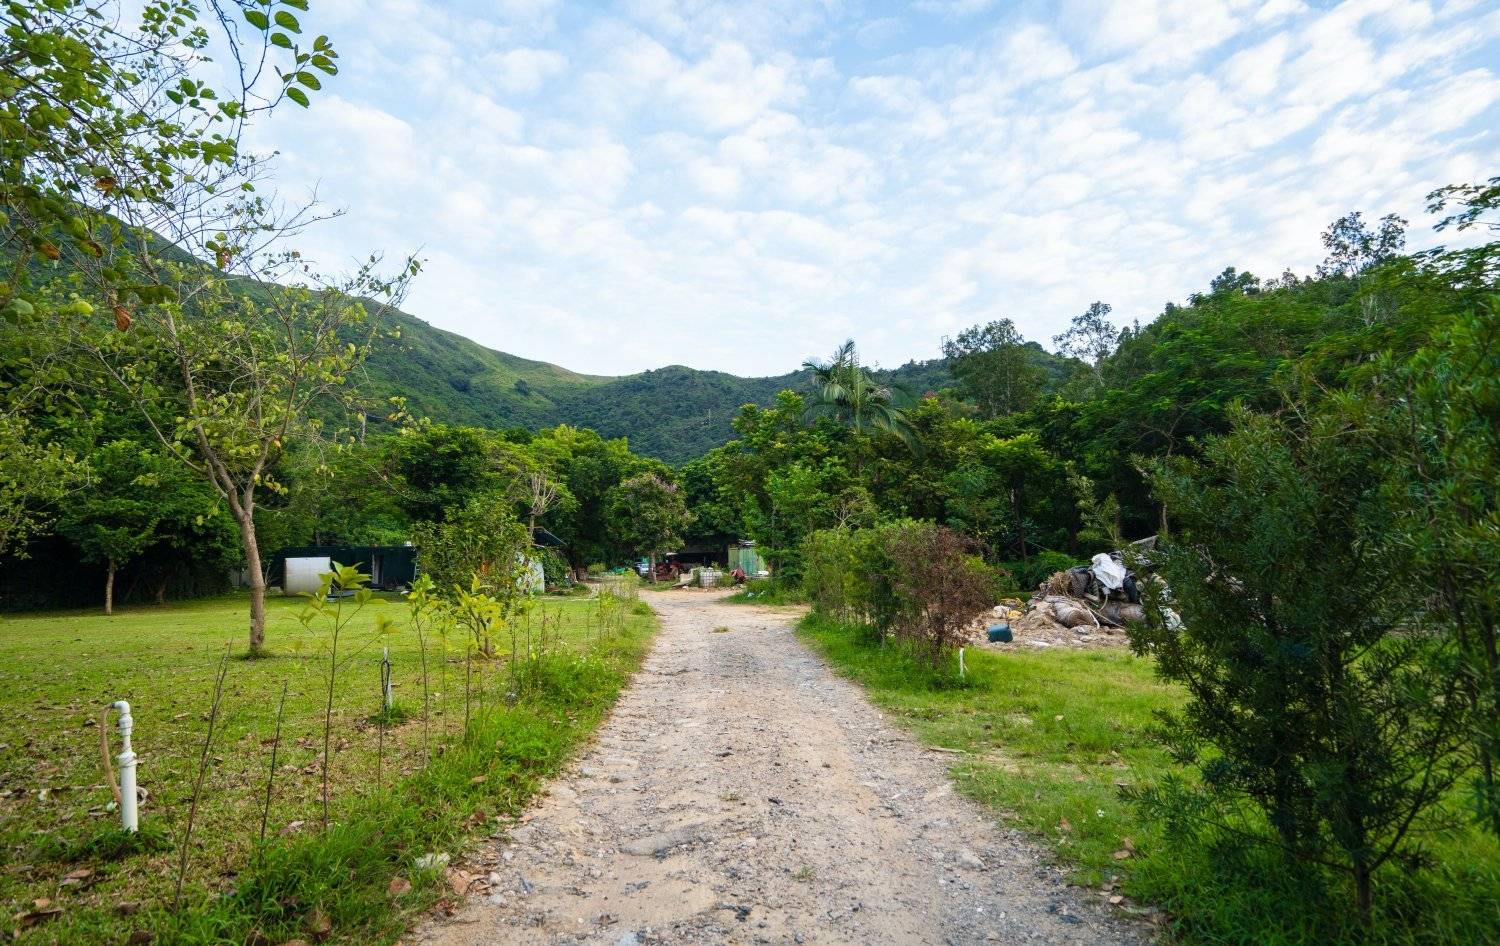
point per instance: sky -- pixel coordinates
(614, 187)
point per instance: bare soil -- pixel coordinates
(742, 792)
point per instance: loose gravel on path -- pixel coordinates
(741, 792)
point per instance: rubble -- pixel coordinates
(1086, 606)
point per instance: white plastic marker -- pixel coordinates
(129, 817)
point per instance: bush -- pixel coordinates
(940, 584)
(917, 581)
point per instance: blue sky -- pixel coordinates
(615, 187)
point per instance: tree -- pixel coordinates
(1315, 702)
(441, 468)
(588, 466)
(243, 376)
(112, 140)
(995, 367)
(647, 515)
(845, 391)
(133, 496)
(1090, 338)
(478, 558)
(33, 476)
(1353, 247)
(1438, 412)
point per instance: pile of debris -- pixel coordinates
(1090, 605)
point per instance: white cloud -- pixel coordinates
(590, 185)
(524, 69)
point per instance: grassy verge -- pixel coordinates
(389, 807)
(1051, 739)
(766, 591)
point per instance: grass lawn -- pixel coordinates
(58, 669)
(1052, 738)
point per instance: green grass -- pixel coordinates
(1051, 739)
(388, 807)
(767, 592)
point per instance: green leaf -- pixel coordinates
(309, 80)
(281, 39)
(287, 22)
(298, 96)
(257, 19)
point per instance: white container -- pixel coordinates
(304, 576)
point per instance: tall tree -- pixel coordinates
(242, 377)
(1090, 337)
(647, 516)
(133, 495)
(845, 391)
(995, 367)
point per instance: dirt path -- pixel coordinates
(743, 793)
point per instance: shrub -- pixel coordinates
(917, 581)
(1027, 575)
(940, 585)
(1317, 708)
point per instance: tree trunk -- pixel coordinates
(109, 589)
(161, 591)
(1364, 896)
(653, 567)
(251, 547)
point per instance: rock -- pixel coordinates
(657, 845)
(970, 860)
(628, 938)
(431, 861)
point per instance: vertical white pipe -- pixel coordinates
(129, 817)
(960, 663)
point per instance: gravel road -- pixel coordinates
(741, 792)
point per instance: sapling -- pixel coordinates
(208, 742)
(346, 577)
(265, 812)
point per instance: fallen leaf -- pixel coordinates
(399, 886)
(140, 938)
(1064, 826)
(459, 881)
(478, 779)
(1116, 900)
(1121, 855)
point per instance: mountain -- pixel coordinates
(674, 413)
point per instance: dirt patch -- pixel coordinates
(743, 793)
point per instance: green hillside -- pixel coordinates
(673, 413)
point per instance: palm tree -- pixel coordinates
(846, 392)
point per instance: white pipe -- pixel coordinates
(960, 663)
(129, 818)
